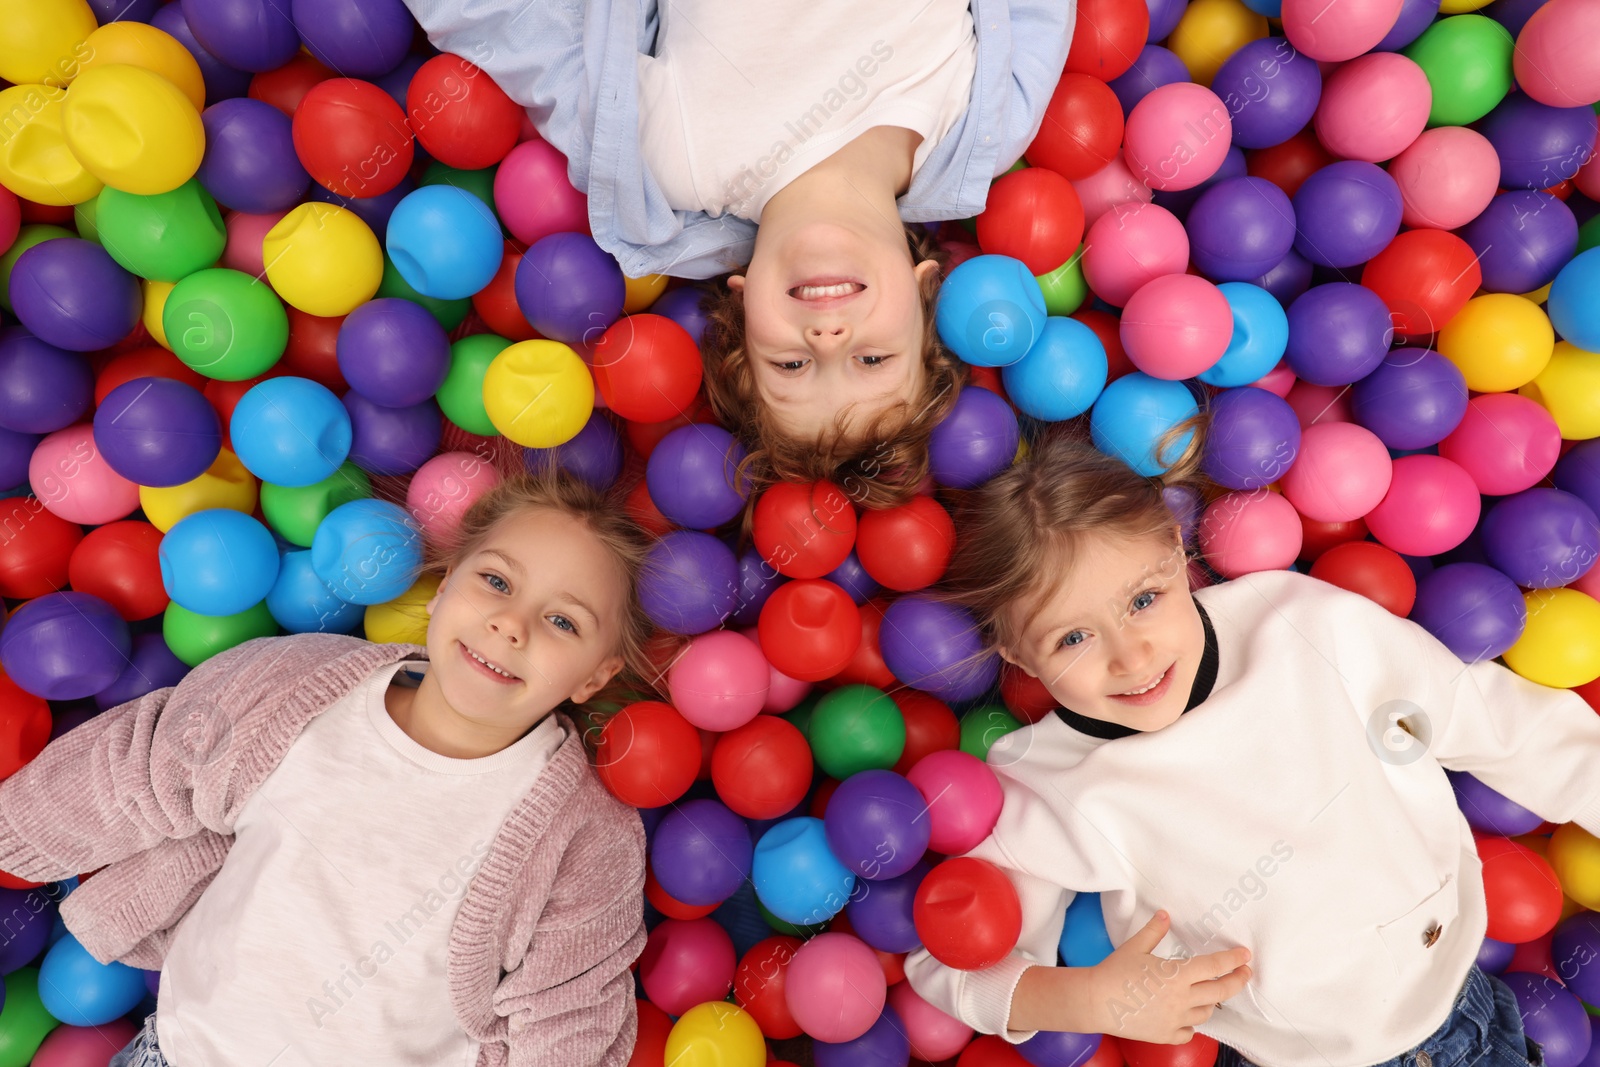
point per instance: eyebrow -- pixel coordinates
(569, 598)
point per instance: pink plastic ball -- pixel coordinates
(1587, 179)
(1341, 473)
(1556, 61)
(84, 1046)
(835, 987)
(1505, 442)
(720, 681)
(687, 962)
(71, 478)
(1336, 32)
(1588, 583)
(1373, 107)
(1431, 507)
(1315, 404)
(246, 233)
(1176, 326)
(1129, 245)
(934, 1035)
(1109, 186)
(1278, 381)
(963, 797)
(1241, 533)
(533, 197)
(1177, 136)
(1446, 177)
(783, 692)
(444, 488)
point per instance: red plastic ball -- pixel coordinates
(10, 218)
(1198, 1051)
(1033, 215)
(496, 303)
(1368, 568)
(285, 88)
(150, 362)
(648, 754)
(1108, 37)
(352, 138)
(669, 905)
(1109, 1054)
(907, 547)
(461, 117)
(819, 799)
(642, 509)
(1108, 328)
(119, 564)
(1425, 277)
(967, 913)
(644, 436)
(35, 548)
(650, 1048)
(804, 531)
(987, 1050)
(313, 350)
(930, 726)
(758, 986)
(1082, 128)
(1521, 891)
(809, 629)
(24, 726)
(686, 962)
(1319, 537)
(867, 667)
(761, 769)
(11, 881)
(1289, 164)
(1024, 695)
(647, 368)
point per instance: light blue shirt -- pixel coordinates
(574, 65)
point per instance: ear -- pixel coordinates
(595, 682)
(736, 283)
(924, 270)
(1010, 657)
(434, 601)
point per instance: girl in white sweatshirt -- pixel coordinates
(1252, 777)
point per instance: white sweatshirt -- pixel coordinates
(1289, 814)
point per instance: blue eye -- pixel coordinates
(1144, 600)
(1076, 637)
(561, 622)
(497, 583)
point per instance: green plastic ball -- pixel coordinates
(1467, 61)
(83, 217)
(1064, 288)
(1589, 235)
(803, 932)
(450, 313)
(799, 716)
(163, 237)
(225, 324)
(982, 727)
(480, 183)
(856, 728)
(294, 512)
(195, 638)
(27, 237)
(24, 1024)
(461, 395)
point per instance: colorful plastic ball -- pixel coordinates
(1415, 16)
(358, 38)
(445, 242)
(1467, 61)
(1541, 538)
(648, 754)
(393, 352)
(1346, 213)
(976, 441)
(809, 629)
(1338, 333)
(1244, 532)
(1553, 1017)
(461, 394)
(164, 237)
(1487, 811)
(1270, 90)
(991, 310)
(323, 259)
(762, 769)
(967, 914)
(1431, 507)
(1060, 1048)
(1108, 188)
(1107, 37)
(874, 823)
(302, 603)
(647, 367)
(1552, 62)
(84, 1046)
(757, 580)
(907, 547)
(444, 488)
(594, 456)
(1127, 247)
(352, 138)
(1260, 336)
(64, 646)
(1081, 130)
(1084, 941)
(156, 431)
(222, 81)
(692, 476)
(1539, 145)
(43, 388)
(1522, 239)
(70, 293)
(294, 512)
(1135, 413)
(1240, 228)
(1574, 311)
(686, 962)
(1377, 573)
(700, 852)
(689, 583)
(391, 440)
(226, 484)
(1507, 443)
(462, 118)
(1414, 399)
(1342, 34)
(1033, 215)
(71, 478)
(196, 638)
(804, 530)
(983, 726)
(715, 1034)
(758, 985)
(856, 728)
(1578, 472)
(1254, 438)
(1209, 31)
(40, 38)
(1500, 342)
(225, 324)
(1446, 177)
(1342, 472)
(1062, 374)
(1522, 894)
(854, 579)
(253, 35)
(35, 162)
(1176, 326)
(1567, 387)
(1234, 165)
(933, 1035)
(963, 799)
(250, 163)
(1575, 855)
(368, 551)
(533, 197)
(936, 647)
(718, 683)
(33, 915)
(1424, 277)
(834, 987)
(796, 877)
(81, 991)
(290, 431)
(132, 129)
(1373, 107)
(218, 562)
(36, 555)
(1177, 136)
(570, 288)
(538, 393)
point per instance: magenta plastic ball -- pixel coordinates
(934, 1036)
(388, 440)
(569, 288)
(594, 456)
(700, 852)
(1177, 136)
(1152, 68)
(84, 1046)
(444, 488)
(719, 682)
(1244, 532)
(1338, 333)
(1414, 399)
(686, 962)
(1373, 107)
(1446, 177)
(936, 647)
(1489, 812)
(250, 163)
(976, 441)
(254, 35)
(1506, 442)
(42, 388)
(1341, 32)
(1347, 212)
(1539, 145)
(157, 431)
(1240, 228)
(1522, 240)
(65, 646)
(357, 38)
(393, 352)
(71, 478)
(834, 987)
(692, 476)
(1541, 538)
(1254, 438)
(1341, 473)
(963, 799)
(876, 824)
(1176, 326)
(1431, 507)
(70, 293)
(533, 197)
(1128, 246)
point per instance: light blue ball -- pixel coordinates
(218, 562)
(1260, 336)
(1084, 941)
(1062, 373)
(303, 604)
(367, 551)
(1574, 302)
(990, 311)
(290, 431)
(795, 874)
(81, 991)
(1134, 412)
(444, 241)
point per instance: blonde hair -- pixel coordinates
(881, 465)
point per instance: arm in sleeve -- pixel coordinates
(1041, 34)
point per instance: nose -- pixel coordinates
(830, 336)
(1133, 656)
(507, 625)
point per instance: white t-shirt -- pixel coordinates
(741, 98)
(323, 939)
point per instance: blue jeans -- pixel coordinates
(1484, 1029)
(142, 1051)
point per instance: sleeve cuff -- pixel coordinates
(989, 993)
(1588, 815)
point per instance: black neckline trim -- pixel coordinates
(1204, 680)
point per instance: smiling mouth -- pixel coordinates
(1141, 690)
(487, 666)
(821, 291)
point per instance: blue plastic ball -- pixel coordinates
(367, 551)
(1084, 941)
(1260, 335)
(1574, 301)
(445, 242)
(305, 604)
(81, 991)
(1062, 374)
(1134, 413)
(796, 877)
(990, 311)
(218, 562)
(290, 431)
(691, 475)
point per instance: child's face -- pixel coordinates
(1122, 622)
(542, 600)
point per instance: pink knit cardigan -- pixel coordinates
(540, 950)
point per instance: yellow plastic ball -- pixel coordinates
(225, 484)
(139, 45)
(404, 619)
(1212, 30)
(538, 393)
(1460, 7)
(1569, 389)
(1560, 646)
(35, 161)
(155, 302)
(716, 1034)
(1499, 342)
(1539, 295)
(640, 293)
(1575, 855)
(133, 129)
(42, 40)
(323, 260)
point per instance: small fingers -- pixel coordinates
(1220, 989)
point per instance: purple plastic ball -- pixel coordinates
(151, 666)
(1578, 473)
(393, 352)
(1488, 811)
(30, 914)
(876, 824)
(1240, 228)
(1289, 279)
(375, 211)
(1413, 400)
(1254, 438)
(1154, 67)
(357, 38)
(853, 578)
(1270, 90)
(594, 456)
(254, 35)
(1513, 14)
(1186, 504)
(124, 10)
(1164, 17)
(883, 917)
(701, 852)
(16, 449)
(1552, 1016)
(72, 294)
(885, 1044)
(1539, 145)
(1541, 538)
(64, 646)
(42, 388)
(976, 441)
(397, 81)
(250, 163)
(757, 580)
(569, 288)
(689, 583)
(157, 431)
(1347, 212)
(223, 82)
(392, 440)
(1415, 16)
(1522, 240)
(692, 475)
(936, 647)
(1338, 333)
(684, 307)
(1180, 201)
(1474, 610)
(1059, 1048)
(1495, 956)
(1575, 952)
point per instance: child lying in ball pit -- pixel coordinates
(343, 852)
(1270, 730)
(834, 128)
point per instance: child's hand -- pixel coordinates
(1150, 998)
